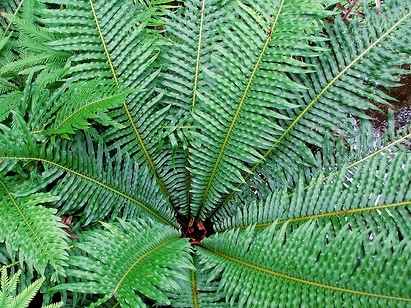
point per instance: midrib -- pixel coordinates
(133, 125)
(300, 280)
(309, 106)
(237, 113)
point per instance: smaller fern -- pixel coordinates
(23, 299)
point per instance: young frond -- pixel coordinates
(80, 102)
(33, 43)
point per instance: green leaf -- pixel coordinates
(343, 84)
(130, 260)
(81, 102)
(335, 196)
(244, 91)
(33, 230)
(23, 299)
(307, 266)
(89, 177)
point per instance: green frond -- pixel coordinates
(4, 41)
(197, 291)
(111, 40)
(191, 33)
(240, 124)
(8, 287)
(32, 230)
(8, 103)
(237, 106)
(55, 305)
(307, 266)
(106, 39)
(11, 7)
(32, 45)
(79, 102)
(23, 299)
(339, 196)
(87, 177)
(337, 153)
(130, 260)
(344, 83)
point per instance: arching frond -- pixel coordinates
(236, 108)
(307, 266)
(362, 57)
(32, 230)
(338, 197)
(23, 299)
(336, 154)
(86, 177)
(110, 40)
(130, 260)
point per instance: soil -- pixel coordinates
(402, 108)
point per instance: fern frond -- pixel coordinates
(80, 102)
(344, 82)
(8, 286)
(337, 196)
(23, 299)
(197, 291)
(11, 7)
(111, 41)
(236, 109)
(8, 103)
(191, 31)
(311, 265)
(54, 305)
(33, 43)
(130, 260)
(336, 155)
(32, 230)
(88, 177)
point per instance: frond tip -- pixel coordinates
(131, 260)
(82, 101)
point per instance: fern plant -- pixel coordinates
(204, 153)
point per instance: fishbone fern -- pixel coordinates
(203, 153)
